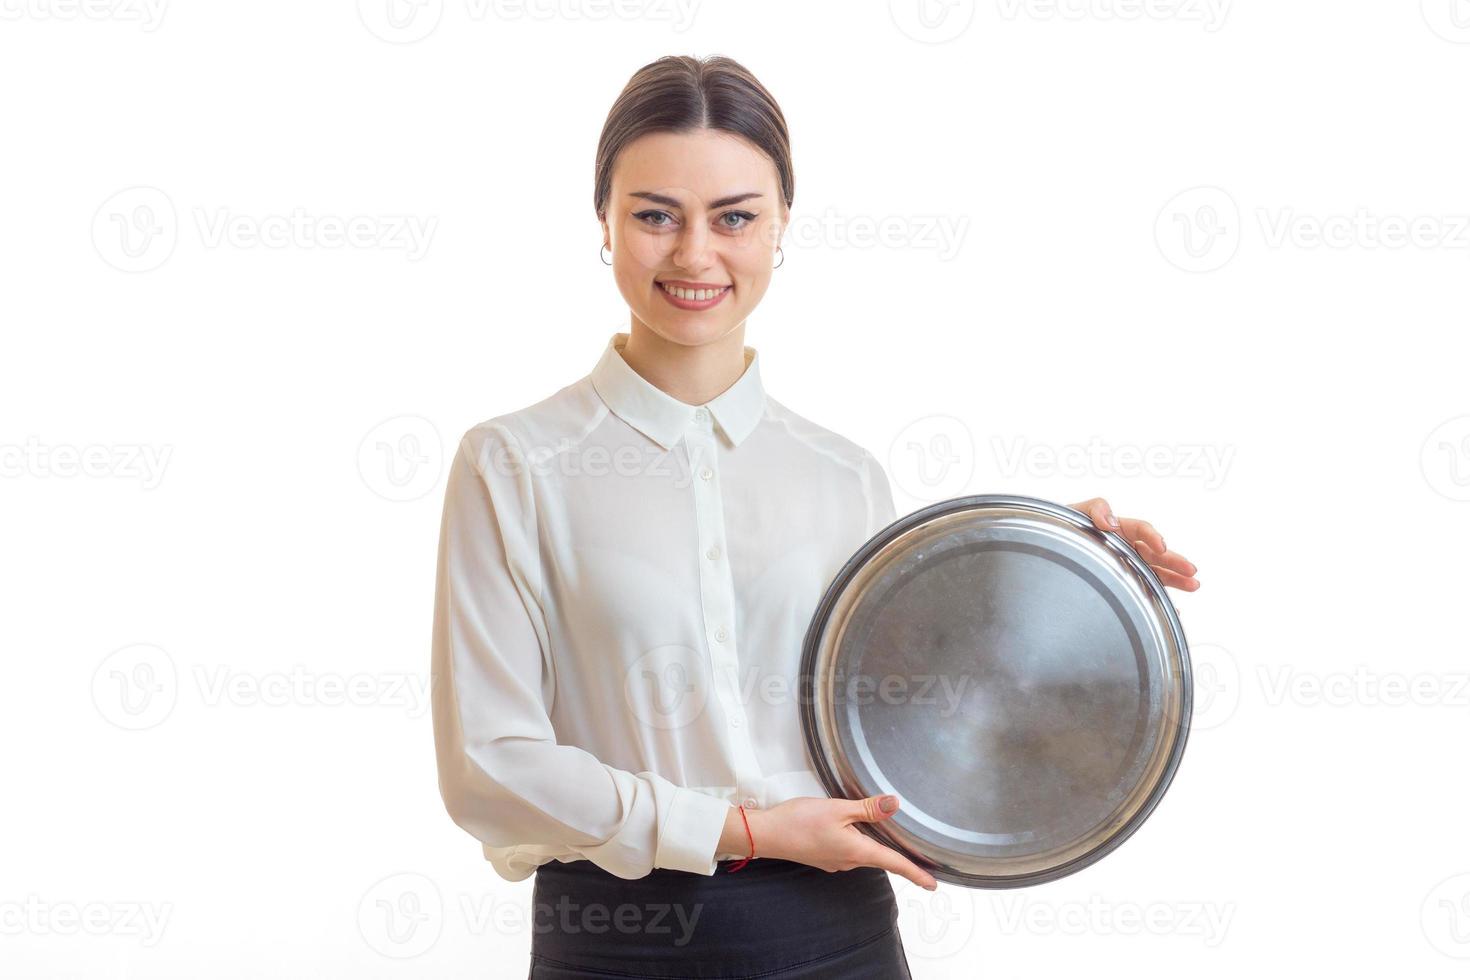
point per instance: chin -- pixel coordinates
(690, 331)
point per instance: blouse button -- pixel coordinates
(700, 415)
(749, 802)
(735, 721)
(720, 634)
(706, 473)
(714, 553)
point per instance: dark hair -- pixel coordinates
(678, 93)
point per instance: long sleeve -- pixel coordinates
(880, 495)
(502, 775)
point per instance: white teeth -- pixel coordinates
(692, 294)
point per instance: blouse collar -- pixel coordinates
(661, 416)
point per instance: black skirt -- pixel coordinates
(771, 919)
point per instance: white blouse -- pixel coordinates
(623, 587)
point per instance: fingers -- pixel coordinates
(1136, 530)
(1172, 560)
(1175, 580)
(1173, 569)
(878, 856)
(1101, 513)
(872, 808)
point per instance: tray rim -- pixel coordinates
(1116, 544)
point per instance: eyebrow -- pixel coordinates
(670, 202)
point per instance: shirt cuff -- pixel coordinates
(691, 832)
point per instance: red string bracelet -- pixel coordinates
(745, 860)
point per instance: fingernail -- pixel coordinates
(1112, 521)
(888, 804)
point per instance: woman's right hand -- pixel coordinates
(819, 832)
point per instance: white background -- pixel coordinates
(1033, 244)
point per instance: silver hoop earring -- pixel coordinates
(599, 255)
(783, 258)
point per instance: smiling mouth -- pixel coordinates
(693, 292)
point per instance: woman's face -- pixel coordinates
(701, 210)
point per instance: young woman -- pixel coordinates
(626, 571)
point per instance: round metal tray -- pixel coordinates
(1015, 675)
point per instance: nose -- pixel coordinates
(692, 251)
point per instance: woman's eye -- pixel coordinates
(647, 218)
(746, 215)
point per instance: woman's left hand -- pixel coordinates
(1172, 568)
